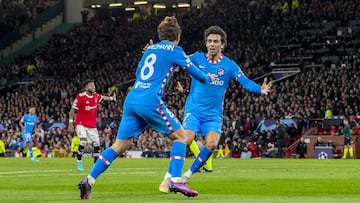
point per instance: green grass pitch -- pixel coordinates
(137, 180)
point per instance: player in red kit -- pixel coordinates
(84, 113)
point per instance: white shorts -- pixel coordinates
(91, 134)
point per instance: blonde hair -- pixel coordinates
(169, 29)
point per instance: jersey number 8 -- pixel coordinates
(148, 66)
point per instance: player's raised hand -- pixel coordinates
(151, 42)
(179, 87)
(265, 87)
(114, 97)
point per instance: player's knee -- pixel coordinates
(181, 135)
(82, 142)
(212, 140)
(211, 144)
(120, 146)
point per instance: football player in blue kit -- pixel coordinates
(203, 112)
(27, 124)
(144, 107)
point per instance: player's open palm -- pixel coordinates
(265, 87)
(151, 42)
(179, 87)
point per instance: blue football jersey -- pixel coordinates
(154, 71)
(207, 99)
(29, 122)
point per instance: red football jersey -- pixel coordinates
(86, 109)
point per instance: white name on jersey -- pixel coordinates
(143, 85)
(168, 47)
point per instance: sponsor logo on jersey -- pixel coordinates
(143, 85)
(88, 108)
(221, 71)
(217, 81)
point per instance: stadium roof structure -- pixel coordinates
(137, 3)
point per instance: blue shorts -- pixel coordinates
(202, 124)
(27, 137)
(135, 119)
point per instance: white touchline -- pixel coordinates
(51, 173)
(63, 170)
(20, 172)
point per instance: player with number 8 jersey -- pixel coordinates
(144, 107)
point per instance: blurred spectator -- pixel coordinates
(281, 137)
(2, 147)
(272, 151)
(75, 143)
(245, 154)
(319, 142)
(301, 148)
(235, 151)
(220, 152)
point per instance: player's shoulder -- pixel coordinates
(81, 94)
(229, 62)
(226, 59)
(97, 95)
(197, 55)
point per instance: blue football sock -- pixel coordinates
(104, 161)
(204, 155)
(31, 151)
(19, 144)
(177, 158)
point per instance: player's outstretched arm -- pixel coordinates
(71, 120)
(108, 98)
(199, 75)
(21, 124)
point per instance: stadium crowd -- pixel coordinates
(15, 13)
(108, 47)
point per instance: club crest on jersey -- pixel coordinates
(221, 71)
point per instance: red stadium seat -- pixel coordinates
(333, 129)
